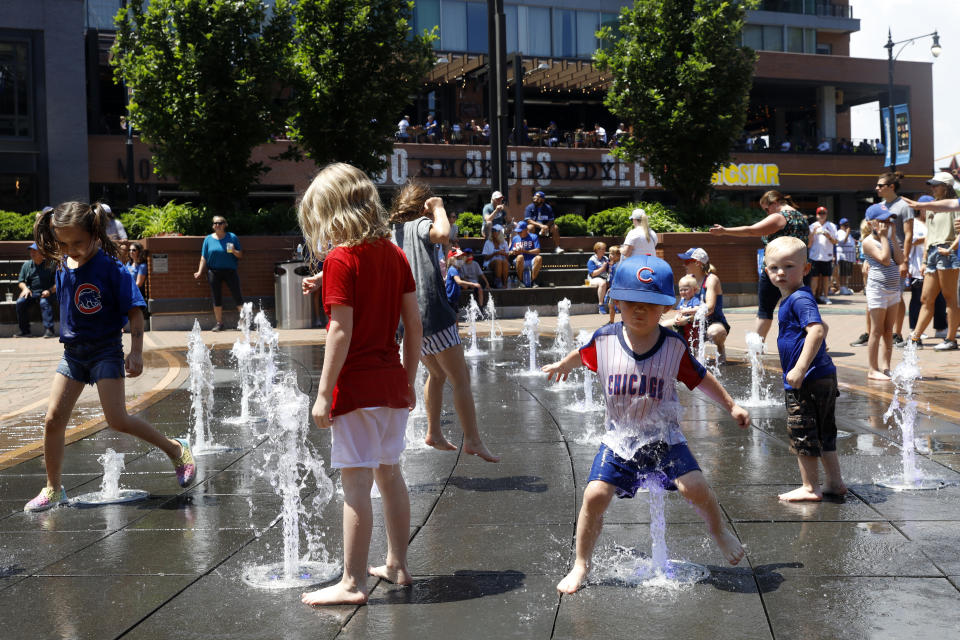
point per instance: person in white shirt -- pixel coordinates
(402, 127)
(641, 240)
(846, 255)
(495, 252)
(823, 237)
(601, 134)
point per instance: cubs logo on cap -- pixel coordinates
(643, 279)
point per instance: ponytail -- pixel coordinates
(91, 218)
(43, 236)
(775, 196)
(100, 220)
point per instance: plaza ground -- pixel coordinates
(488, 542)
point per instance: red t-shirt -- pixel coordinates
(372, 279)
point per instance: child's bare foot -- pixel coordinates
(440, 443)
(834, 489)
(479, 449)
(730, 547)
(573, 580)
(802, 494)
(873, 374)
(391, 575)
(334, 594)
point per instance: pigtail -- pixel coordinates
(43, 235)
(99, 230)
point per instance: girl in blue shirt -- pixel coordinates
(97, 298)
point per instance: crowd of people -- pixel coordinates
(474, 132)
(765, 143)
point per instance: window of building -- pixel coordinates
(564, 33)
(611, 20)
(16, 90)
(794, 39)
(773, 38)
(588, 23)
(453, 25)
(824, 48)
(100, 14)
(426, 16)
(513, 41)
(477, 39)
(752, 36)
(533, 30)
(810, 41)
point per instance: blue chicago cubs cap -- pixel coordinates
(843, 221)
(880, 212)
(540, 194)
(925, 198)
(644, 279)
(520, 227)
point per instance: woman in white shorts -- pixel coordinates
(883, 255)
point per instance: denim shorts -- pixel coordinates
(935, 261)
(89, 362)
(654, 459)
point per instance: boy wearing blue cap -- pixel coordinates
(525, 252)
(638, 362)
(809, 377)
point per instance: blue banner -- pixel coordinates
(901, 119)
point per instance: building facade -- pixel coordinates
(62, 135)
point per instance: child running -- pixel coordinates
(97, 297)
(366, 392)
(638, 362)
(809, 377)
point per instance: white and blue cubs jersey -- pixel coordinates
(95, 299)
(641, 399)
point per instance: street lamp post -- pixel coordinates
(891, 58)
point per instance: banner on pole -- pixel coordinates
(901, 120)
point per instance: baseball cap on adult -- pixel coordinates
(880, 212)
(495, 195)
(844, 221)
(941, 177)
(821, 210)
(644, 279)
(695, 253)
(637, 214)
(925, 198)
(540, 194)
(520, 227)
(33, 247)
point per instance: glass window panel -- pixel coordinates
(16, 109)
(773, 38)
(809, 40)
(477, 27)
(533, 30)
(453, 25)
(753, 36)
(611, 20)
(510, 12)
(426, 16)
(588, 22)
(564, 33)
(100, 14)
(794, 39)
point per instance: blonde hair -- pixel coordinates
(599, 245)
(689, 279)
(92, 218)
(614, 252)
(864, 229)
(787, 245)
(644, 224)
(341, 207)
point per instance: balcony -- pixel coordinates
(809, 8)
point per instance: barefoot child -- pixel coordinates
(97, 297)
(365, 392)
(809, 377)
(638, 361)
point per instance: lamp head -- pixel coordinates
(936, 49)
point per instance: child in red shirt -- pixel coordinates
(365, 393)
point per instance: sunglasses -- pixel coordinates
(880, 185)
(217, 224)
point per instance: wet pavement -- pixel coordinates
(490, 542)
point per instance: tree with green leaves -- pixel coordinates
(356, 64)
(682, 81)
(204, 77)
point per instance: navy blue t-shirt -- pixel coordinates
(543, 213)
(797, 311)
(452, 288)
(95, 299)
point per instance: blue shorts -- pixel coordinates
(657, 458)
(937, 262)
(89, 362)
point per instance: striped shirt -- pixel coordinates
(641, 399)
(882, 276)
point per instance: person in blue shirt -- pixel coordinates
(525, 252)
(454, 280)
(809, 376)
(598, 270)
(540, 215)
(97, 299)
(218, 257)
(36, 283)
(137, 266)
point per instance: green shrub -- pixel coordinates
(469, 224)
(610, 222)
(145, 221)
(726, 213)
(572, 224)
(661, 218)
(16, 226)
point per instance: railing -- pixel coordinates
(808, 7)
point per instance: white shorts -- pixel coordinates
(368, 437)
(878, 298)
(596, 282)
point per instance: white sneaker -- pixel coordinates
(558, 250)
(827, 301)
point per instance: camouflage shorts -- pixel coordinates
(810, 417)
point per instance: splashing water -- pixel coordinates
(417, 421)
(201, 394)
(473, 314)
(587, 404)
(290, 461)
(243, 353)
(110, 491)
(563, 337)
(496, 333)
(759, 393)
(265, 355)
(905, 376)
(531, 331)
